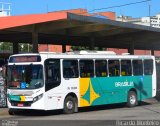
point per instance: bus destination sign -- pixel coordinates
(18, 59)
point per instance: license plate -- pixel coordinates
(20, 105)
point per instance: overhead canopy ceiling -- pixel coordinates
(72, 29)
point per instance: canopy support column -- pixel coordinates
(63, 48)
(92, 43)
(15, 47)
(131, 48)
(35, 40)
(152, 52)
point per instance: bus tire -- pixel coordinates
(132, 99)
(69, 105)
(11, 112)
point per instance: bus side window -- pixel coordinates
(70, 69)
(126, 68)
(86, 68)
(52, 70)
(101, 68)
(114, 67)
(148, 67)
(137, 67)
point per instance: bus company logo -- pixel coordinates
(124, 84)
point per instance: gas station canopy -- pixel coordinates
(64, 28)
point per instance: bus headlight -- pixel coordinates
(37, 97)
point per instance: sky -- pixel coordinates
(21, 7)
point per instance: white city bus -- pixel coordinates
(49, 81)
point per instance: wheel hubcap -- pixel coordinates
(69, 104)
(132, 99)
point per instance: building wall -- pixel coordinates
(79, 11)
(5, 9)
(118, 51)
(110, 15)
(43, 48)
(142, 52)
(155, 21)
(52, 48)
(157, 53)
(3, 13)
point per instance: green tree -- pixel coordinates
(6, 46)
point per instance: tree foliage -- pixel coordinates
(8, 46)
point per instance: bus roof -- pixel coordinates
(83, 54)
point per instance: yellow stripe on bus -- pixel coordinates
(22, 98)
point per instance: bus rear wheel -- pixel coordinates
(132, 99)
(70, 105)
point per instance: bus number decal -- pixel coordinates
(71, 88)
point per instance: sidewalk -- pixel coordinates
(3, 111)
(151, 100)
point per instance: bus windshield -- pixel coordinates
(25, 76)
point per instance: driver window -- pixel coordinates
(52, 70)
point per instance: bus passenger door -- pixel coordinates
(52, 81)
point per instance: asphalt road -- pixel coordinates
(95, 116)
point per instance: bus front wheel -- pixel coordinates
(69, 105)
(132, 99)
(11, 112)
